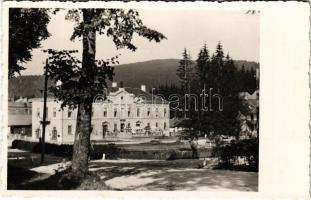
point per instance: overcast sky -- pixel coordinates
(237, 31)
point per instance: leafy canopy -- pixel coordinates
(80, 83)
(27, 28)
(118, 24)
(76, 86)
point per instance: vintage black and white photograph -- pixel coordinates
(133, 99)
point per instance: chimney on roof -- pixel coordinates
(121, 84)
(114, 84)
(143, 88)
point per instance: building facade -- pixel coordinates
(19, 118)
(126, 113)
(250, 120)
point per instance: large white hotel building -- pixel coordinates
(126, 113)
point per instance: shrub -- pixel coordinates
(63, 150)
(230, 153)
(171, 155)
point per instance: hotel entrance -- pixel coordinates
(122, 127)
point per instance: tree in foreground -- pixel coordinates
(83, 80)
(27, 28)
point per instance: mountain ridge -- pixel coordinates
(151, 73)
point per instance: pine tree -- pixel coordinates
(216, 68)
(223, 77)
(202, 64)
(185, 70)
(186, 75)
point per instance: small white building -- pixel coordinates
(126, 113)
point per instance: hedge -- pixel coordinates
(111, 151)
(65, 150)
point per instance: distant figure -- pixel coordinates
(194, 147)
(203, 164)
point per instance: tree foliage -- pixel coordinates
(248, 80)
(118, 24)
(75, 88)
(81, 84)
(27, 28)
(82, 80)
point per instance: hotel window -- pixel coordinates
(69, 113)
(138, 124)
(164, 112)
(69, 130)
(121, 97)
(138, 112)
(148, 112)
(54, 134)
(105, 112)
(129, 112)
(38, 112)
(115, 112)
(157, 124)
(157, 112)
(148, 125)
(164, 126)
(92, 113)
(54, 112)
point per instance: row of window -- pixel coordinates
(115, 114)
(138, 112)
(54, 112)
(122, 128)
(127, 127)
(54, 132)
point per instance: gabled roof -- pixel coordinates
(41, 99)
(135, 91)
(253, 102)
(13, 104)
(139, 93)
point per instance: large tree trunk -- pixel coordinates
(81, 148)
(82, 141)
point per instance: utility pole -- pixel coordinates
(44, 122)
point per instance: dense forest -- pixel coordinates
(208, 93)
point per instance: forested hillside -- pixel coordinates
(151, 73)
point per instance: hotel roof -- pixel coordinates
(156, 99)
